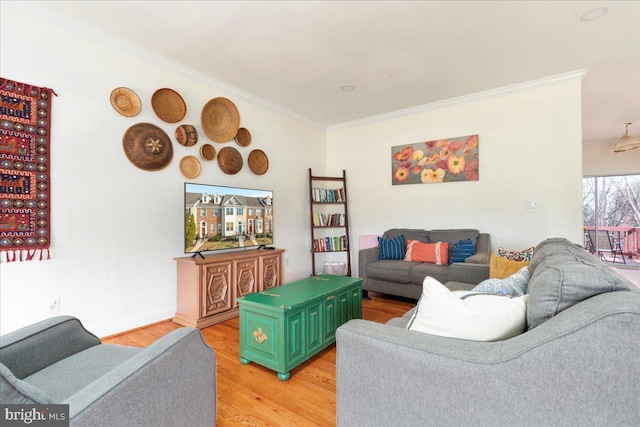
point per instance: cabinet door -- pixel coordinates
(246, 274)
(315, 336)
(355, 300)
(329, 320)
(343, 308)
(270, 271)
(216, 288)
(295, 342)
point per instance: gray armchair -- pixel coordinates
(171, 382)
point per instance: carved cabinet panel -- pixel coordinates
(208, 288)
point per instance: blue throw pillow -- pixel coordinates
(392, 248)
(515, 285)
(461, 251)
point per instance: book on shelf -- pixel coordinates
(328, 195)
(330, 244)
(328, 220)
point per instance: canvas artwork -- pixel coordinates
(442, 160)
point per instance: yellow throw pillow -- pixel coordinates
(499, 267)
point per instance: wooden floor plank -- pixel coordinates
(252, 395)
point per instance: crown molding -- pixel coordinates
(486, 94)
(96, 35)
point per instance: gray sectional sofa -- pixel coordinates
(577, 364)
(404, 278)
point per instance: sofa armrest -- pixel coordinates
(366, 256)
(392, 376)
(174, 379)
(45, 343)
(483, 250)
(468, 273)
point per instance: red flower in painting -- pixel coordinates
(471, 143)
(430, 145)
(401, 174)
(471, 170)
(455, 145)
(404, 154)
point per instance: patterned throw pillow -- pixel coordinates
(462, 250)
(523, 255)
(436, 253)
(514, 285)
(391, 248)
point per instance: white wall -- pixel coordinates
(116, 228)
(600, 160)
(529, 148)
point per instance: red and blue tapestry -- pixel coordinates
(25, 208)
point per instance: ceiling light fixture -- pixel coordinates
(627, 142)
(348, 88)
(594, 14)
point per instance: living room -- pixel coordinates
(116, 229)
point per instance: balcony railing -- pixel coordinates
(629, 238)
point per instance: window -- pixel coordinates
(228, 212)
(258, 212)
(212, 228)
(203, 212)
(250, 212)
(239, 211)
(228, 227)
(216, 212)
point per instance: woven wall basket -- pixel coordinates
(230, 160)
(125, 101)
(186, 135)
(220, 120)
(147, 146)
(243, 137)
(207, 152)
(190, 167)
(168, 105)
(258, 162)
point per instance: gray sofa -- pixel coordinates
(404, 278)
(172, 382)
(577, 364)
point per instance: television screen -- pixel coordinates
(217, 217)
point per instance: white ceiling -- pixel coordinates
(397, 54)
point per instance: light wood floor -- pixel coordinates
(251, 395)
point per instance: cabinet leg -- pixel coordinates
(365, 294)
(285, 376)
(244, 361)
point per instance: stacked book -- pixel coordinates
(328, 220)
(328, 195)
(330, 244)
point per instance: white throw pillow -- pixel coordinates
(468, 315)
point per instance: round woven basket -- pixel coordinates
(207, 152)
(125, 101)
(243, 137)
(230, 160)
(147, 146)
(190, 167)
(220, 119)
(186, 135)
(168, 105)
(258, 162)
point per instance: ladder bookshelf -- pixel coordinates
(329, 218)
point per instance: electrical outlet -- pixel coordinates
(52, 306)
(532, 204)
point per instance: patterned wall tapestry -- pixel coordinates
(25, 117)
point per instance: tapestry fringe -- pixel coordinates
(24, 255)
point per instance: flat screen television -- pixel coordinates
(219, 218)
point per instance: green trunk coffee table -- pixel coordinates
(282, 327)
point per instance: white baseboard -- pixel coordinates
(113, 328)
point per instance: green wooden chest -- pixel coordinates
(282, 327)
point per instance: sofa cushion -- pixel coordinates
(462, 250)
(397, 271)
(435, 253)
(565, 274)
(514, 285)
(408, 233)
(420, 271)
(499, 267)
(453, 236)
(392, 248)
(467, 315)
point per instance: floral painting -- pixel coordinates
(443, 160)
